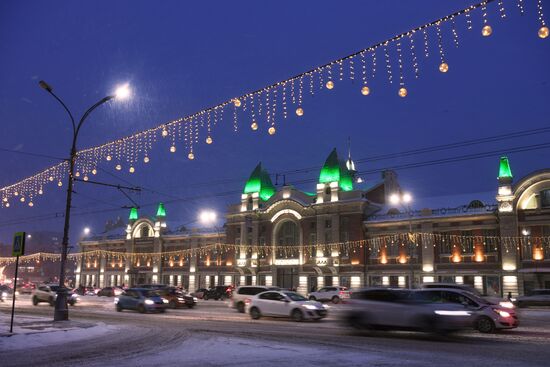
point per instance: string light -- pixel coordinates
(443, 67)
(520, 7)
(402, 90)
(487, 30)
(543, 30)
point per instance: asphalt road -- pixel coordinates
(213, 334)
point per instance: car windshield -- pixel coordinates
(149, 293)
(54, 287)
(295, 296)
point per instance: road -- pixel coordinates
(213, 334)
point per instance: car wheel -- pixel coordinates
(35, 300)
(72, 302)
(222, 298)
(119, 308)
(172, 304)
(190, 306)
(141, 309)
(255, 313)
(51, 301)
(205, 297)
(335, 299)
(312, 298)
(240, 307)
(485, 325)
(297, 315)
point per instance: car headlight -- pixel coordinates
(195, 299)
(116, 300)
(16, 293)
(310, 307)
(164, 300)
(506, 304)
(502, 313)
(149, 302)
(4, 294)
(180, 299)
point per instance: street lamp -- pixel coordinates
(61, 311)
(86, 231)
(404, 199)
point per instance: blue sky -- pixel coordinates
(181, 57)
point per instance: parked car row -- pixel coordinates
(153, 298)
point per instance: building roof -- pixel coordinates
(504, 169)
(260, 182)
(335, 170)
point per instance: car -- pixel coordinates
(26, 288)
(219, 292)
(333, 294)
(109, 292)
(6, 293)
(48, 293)
(537, 297)
(285, 304)
(468, 288)
(142, 300)
(487, 317)
(199, 293)
(401, 309)
(85, 291)
(177, 298)
(245, 293)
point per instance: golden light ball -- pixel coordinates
(50, 178)
(254, 125)
(330, 84)
(365, 91)
(209, 140)
(31, 204)
(191, 156)
(7, 205)
(5, 200)
(131, 169)
(300, 111)
(237, 102)
(85, 178)
(486, 31)
(444, 67)
(108, 158)
(40, 192)
(543, 32)
(402, 92)
(118, 167)
(173, 149)
(22, 199)
(60, 184)
(77, 174)
(146, 159)
(164, 133)
(16, 193)
(94, 172)
(271, 130)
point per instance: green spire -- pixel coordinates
(260, 182)
(336, 171)
(504, 170)
(133, 214)
(161, 211)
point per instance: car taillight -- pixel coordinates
(247, 301)
(341, 293)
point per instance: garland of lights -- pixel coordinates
(382, 245)
(262, 105)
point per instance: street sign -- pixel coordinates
(18, 244)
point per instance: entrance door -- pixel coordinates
(287, 278)
(312, 283)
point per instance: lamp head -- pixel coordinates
(122, 92)
(394, 199)
(45, 86)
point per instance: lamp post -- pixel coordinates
(61, 311)
(404, 199)
(208, 218)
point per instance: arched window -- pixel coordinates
(288, 235)
(145, 231)
(476, 204)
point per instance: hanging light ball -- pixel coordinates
(118, 167)
(300, 111)
(31, 204)
(22, 199)
(543, 32)
(330, 84)
(254, 125)
(486, 31)
(5, 200)
(146, 159)
(191, 156)
(7, 205)
(271, 130)
(209, 140)
(77, 174)
(402, 92)
(40, 192)
(164, 133)
(85, 178)
(237, 102)
(444, 67)
(50, 178)
(173, 149)
(108, 158)
(365, 91)
(131, 169)
(59, 183)
(94, 172)
(16, 193)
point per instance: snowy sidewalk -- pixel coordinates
(35, 331)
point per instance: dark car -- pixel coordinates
(85, 291)
(219, 292)
(176, 298)
(141, 300)
(199, 293)
(109, 292)
(537, 297)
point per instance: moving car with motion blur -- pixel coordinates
(199, 293)
(537, 297)
(219, 292)
(400, 309)
(243, 295)
(468, 288)
(6, 293)
(285, 304)
(26, 288)
(487, 317)
(142, 300)
(332, 294)
(109, 292)
(48, 293)
(177, 298)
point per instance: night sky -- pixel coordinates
(180, 57)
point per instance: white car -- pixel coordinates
(285, 304)
(48, 293)
(333, 294)
(245, 293)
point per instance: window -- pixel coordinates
(270, 296)
(312, 243)
(545, 198)
(467, 242)
(145, 231)
(328, 223)
(327, 191)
